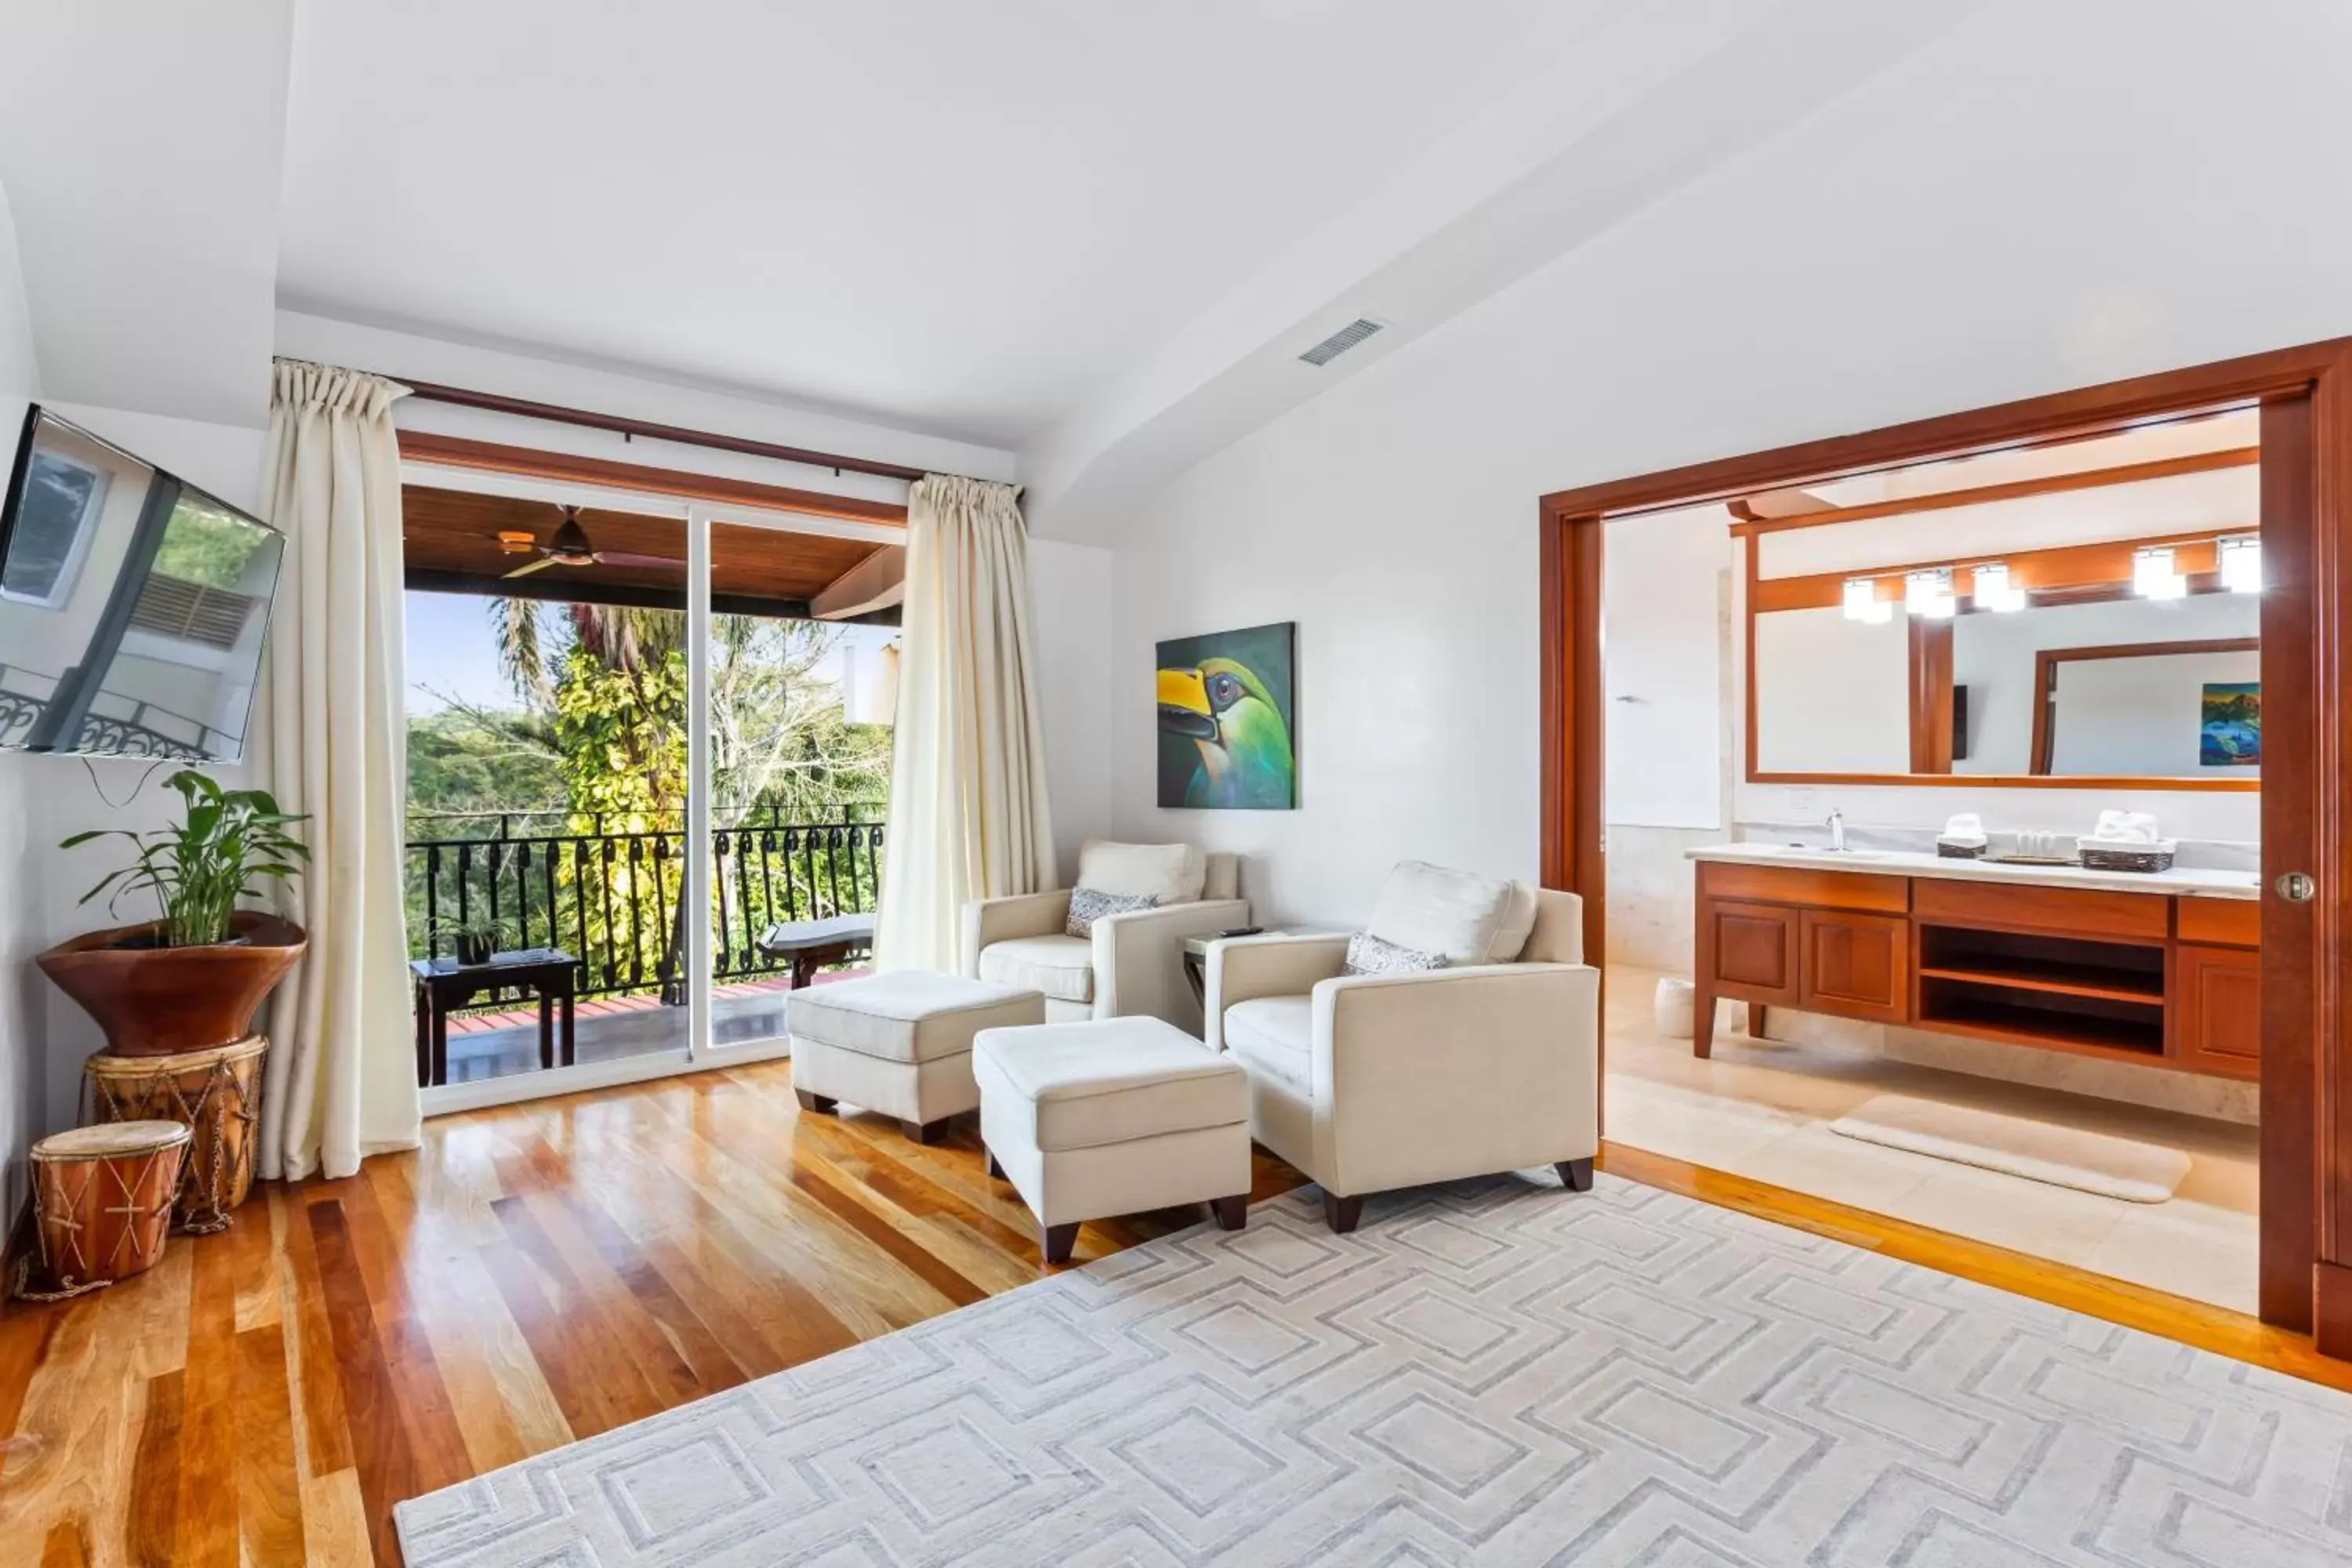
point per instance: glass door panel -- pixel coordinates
(547, 783)
(799, 772)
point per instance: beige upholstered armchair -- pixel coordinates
(1133, 961)
(1371, 1082)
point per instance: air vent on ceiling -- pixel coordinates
(1341, 342)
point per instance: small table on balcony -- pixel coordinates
(444, 985)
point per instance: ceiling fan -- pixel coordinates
(569, 546)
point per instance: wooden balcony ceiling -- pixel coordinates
(451, 538)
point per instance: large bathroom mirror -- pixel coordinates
(2080, 632)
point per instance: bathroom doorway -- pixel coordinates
(1943, 952)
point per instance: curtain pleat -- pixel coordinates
(969, 814)
(341, 1079)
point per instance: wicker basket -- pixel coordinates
(2137, 857)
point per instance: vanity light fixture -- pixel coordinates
(1992, 589)
(1862, 603)
(2153, 575)
(1928, 594)
(2240, 558)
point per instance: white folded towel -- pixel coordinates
(2127, 828)
(1965, 828)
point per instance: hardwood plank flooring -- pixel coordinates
(537, 1273)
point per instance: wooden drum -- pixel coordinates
(102, 1200)
(215, 1094)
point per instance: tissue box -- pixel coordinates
(1952, 851)
(2098, 857)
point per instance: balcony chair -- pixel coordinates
(1369, 1082)
(1133, 961)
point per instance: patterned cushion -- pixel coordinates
(1368, 954)
(1088, 906)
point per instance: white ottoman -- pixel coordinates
(1112, 1116)
(900, 1043)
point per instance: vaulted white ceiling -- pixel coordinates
(964, 217)
(1098, 235)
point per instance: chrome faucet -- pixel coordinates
(1837, 832)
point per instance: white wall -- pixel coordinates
(1069, 591)
(1922, 245)
(23, 1017)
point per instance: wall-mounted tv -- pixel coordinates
(133, 604)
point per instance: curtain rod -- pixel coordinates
(433, 393)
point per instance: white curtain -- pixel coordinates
(343, 1070)
(969, 816)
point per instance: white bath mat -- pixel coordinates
(2038, 1151)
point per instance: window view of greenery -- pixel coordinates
(205, 542)
(560, 779)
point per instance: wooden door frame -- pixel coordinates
(2305, 395)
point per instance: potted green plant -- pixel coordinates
(192, 978)
(475, 939)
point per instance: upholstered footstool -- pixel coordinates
(898, 1043)
(1112, 1116)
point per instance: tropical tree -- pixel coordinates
(601, 709)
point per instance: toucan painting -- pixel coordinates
(1226, 718)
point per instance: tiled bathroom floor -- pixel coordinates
(1762, 1108)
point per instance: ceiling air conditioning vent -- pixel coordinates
(1341, 342)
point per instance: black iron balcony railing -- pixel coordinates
(611, 895)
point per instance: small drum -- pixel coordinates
(102, 1200)
(215, 1094)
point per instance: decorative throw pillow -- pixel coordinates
(1088, 906)
(1368, 954)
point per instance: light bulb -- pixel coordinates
(1992, 590)
(1928, 594)
(1862, 603)
(2241, 563)
(2153, 575)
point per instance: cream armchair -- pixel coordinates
(1371, 1082)
(1134, 962)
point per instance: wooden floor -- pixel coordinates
(539, 1273)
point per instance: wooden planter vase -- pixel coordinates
(160, 1001)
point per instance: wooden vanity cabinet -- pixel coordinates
(2151, 978)
(1854, 965)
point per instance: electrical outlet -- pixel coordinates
(1804, 803)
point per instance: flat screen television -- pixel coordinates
(133, 604)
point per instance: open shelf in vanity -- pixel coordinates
(2165, 978)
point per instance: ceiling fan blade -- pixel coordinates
(542, 562)
(624, 558)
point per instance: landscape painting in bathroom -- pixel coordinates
(1227, 715)
(2230, 732)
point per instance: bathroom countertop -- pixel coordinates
(2191, 883)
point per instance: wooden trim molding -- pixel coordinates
(2046, 661)
(531, 462)
(2015, 490)
(2306, 397)
(1931, 696)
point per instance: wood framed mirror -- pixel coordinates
(2081, 615)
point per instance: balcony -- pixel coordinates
(608, 892)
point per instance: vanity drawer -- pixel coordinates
(2225, 922)
(1796, 885)
(2069, 912)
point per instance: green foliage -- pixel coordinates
(198, 870)
(204, 543)
(597, 744)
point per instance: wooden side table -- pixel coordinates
(443, 986)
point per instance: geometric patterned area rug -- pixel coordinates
(1492, 1373)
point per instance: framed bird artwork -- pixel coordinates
(1228, 718)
